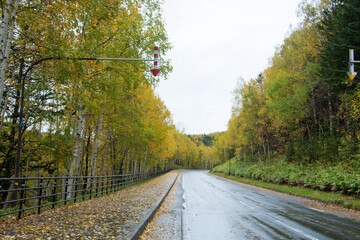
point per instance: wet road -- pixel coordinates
(215, 208)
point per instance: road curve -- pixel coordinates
(215, 208)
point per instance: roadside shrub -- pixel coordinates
(341, 177)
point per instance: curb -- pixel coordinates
(289, 193)
(139, 228)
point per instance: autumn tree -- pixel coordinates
(303, 106)
(70, 104)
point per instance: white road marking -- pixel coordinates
(247, 205)
(297, 230)
(183, 196)
(316, 209)
(243, 203)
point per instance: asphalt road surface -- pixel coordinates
(214, 208)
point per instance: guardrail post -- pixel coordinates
(54, 193)
(76, 185)
(91, 186)
(40, 195)
(84, 187)
(97, 186)
(107, 184)
(22, 197)
(114, 182)
(66, 188)
(112, 185)
(102, 185)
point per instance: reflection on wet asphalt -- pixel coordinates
(219, 209)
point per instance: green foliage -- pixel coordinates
(341, 177)
(302, 108)
(205, 139)
(297, 123)
(337, 198)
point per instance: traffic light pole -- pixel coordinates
(352, 62)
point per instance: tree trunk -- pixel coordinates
(10, 196)
(114, 156)
(314, 114)
(123, 160)
(264, 146)
(87, 154)
(135, 164)
(94, 155)
(2, 112)
(83, 145)
(128, 163)
(106, 151)
(76, 150)
(330, 113)
(6, 36)
(38, 157)
(70, 112)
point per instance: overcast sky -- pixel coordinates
(216, 42)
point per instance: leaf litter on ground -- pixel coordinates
(107, 217)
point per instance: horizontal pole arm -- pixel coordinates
(117, 59)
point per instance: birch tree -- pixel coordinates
(9, 9)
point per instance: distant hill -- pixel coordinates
(206, 139)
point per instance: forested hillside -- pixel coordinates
(85, 118)
(298, 121)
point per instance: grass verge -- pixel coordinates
(336, 199)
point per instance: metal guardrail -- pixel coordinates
(34, 193)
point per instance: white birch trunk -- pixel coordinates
(6, 36)
(125, 153)
(76, 150)
(106, 151)
(94, 155)
(105, 154)
(135, 165)
(82, 145)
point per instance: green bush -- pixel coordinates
(341, 177)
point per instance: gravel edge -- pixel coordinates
(140, 226)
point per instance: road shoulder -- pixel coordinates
(167, 222)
